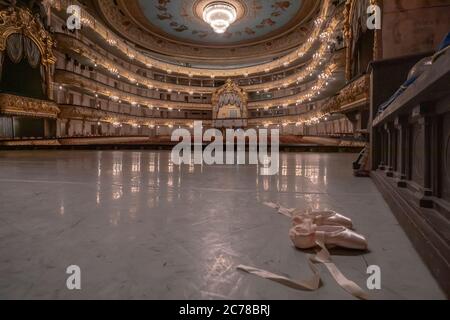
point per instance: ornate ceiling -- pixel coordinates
(182, 20)
(175, 28)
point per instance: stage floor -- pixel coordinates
(140, 227)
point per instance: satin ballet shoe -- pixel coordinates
(308, 235)
(322, 218)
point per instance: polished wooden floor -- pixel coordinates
(140, 227)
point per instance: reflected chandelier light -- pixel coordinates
(219, 15)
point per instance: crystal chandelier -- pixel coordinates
(220, 15)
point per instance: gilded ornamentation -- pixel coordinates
(72, 44)
(18, 20)
(232, 98)
(349, 21)
(353, 92)
(378, 44)
(335, 66)
(15, 105)
(81, 113)
(73, 79)
(75, 45)
(75, 112)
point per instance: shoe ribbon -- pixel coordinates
(322, 257)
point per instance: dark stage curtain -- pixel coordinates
(20, 68)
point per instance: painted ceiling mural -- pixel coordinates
(178, 19)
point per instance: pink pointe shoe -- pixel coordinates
(321, 218)
(309, 235)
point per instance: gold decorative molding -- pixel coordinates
(334, 68)
(230, 88)
(18, 20)
(70, 44)
(22, 106)
(356, 91)
(349, 36)
(78, 81)
(101, 140)
(23, 143)
(378, 41)
(73, 112)
(78, 112)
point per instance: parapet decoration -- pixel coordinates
(22, 106)
(354, 92)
